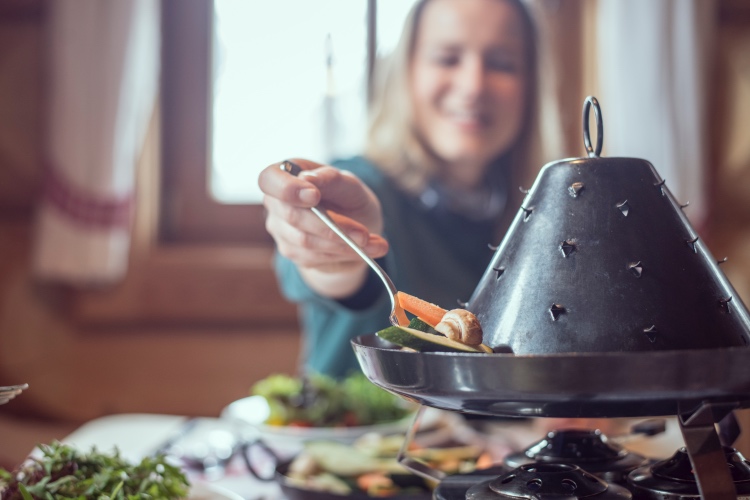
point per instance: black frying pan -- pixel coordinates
(595, 385)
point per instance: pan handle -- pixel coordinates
(247, 448)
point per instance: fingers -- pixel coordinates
(303, 219)
(300, 235)
(320, 260)
(313, 250)
(290, 189)
(339, 189)
(299, 227)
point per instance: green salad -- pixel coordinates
(321, 401)
(66, 473)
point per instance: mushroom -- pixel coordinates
(462, 326)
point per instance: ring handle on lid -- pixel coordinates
(591, 100)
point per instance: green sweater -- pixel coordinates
(435, 255)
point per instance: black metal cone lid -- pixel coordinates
(601, 258)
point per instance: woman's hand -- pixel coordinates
(327, 264)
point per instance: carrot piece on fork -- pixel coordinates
(426, 311)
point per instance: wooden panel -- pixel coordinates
(189, 285)
(21, 10)
(561, 29)
(734, 12)
(20, 106)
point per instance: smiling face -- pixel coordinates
(468, 76)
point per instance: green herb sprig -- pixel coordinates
(64, 472)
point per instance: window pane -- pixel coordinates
(391, 16)
(290, 81)
(275, 93)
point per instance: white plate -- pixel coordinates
(202, 491)
(250, 413)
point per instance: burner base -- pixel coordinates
(455, 487)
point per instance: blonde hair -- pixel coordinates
(394, 145)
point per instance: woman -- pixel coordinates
(452, 132)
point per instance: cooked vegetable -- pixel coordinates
(346, 461)
(462, 326)
(370, 466)
(420, 325)
(369, 404)
(426, 311)
(325, 481)
(353, 401)
(377, 484)
(319, 403)
(459, 325)
(66, 473)
(423, 341)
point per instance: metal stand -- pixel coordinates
(702, 442)
(705, 449)
(415, 465)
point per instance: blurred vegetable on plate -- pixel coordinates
(368, 467)
(325, 402)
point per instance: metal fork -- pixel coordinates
(398, 316)
(11, 391)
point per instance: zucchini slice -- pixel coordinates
(422, 326)
(423, 341)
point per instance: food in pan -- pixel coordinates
(64, 472)
(434, 329)
(429, 313)
(369, 466)
(421, 337)
(321, 401)
(462, 326)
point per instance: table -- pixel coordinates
(139, 435)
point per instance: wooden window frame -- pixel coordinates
(188, 212)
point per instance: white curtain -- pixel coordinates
(102, 84)
(653, 71)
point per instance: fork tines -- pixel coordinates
(9, 392)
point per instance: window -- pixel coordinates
(249, 83)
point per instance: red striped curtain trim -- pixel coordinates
(86, 208)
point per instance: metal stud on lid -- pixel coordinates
(606, 238)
